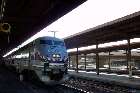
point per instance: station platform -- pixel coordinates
(9, 83)
(112, 78)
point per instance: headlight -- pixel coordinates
(53, 55)
(56, 55)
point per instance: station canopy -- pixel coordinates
(124, 28)
(27, 17)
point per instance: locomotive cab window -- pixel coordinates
(48, 42)
(58, 43)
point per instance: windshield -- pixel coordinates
(58, 43)
(48, 42)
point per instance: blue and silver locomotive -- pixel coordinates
(46, 56)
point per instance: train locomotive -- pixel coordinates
(46, 56)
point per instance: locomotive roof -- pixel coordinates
(50, 38)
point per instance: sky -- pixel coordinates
(88, 15)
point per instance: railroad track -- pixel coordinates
(91, 86)
(42, 88)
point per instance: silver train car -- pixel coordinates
(46, 56)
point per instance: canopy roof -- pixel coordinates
(120, 29)
(27, 17)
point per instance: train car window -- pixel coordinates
(58, 43)
(48, 42)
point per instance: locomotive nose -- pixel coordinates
(57, 53)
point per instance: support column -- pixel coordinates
(129, 58)
(129, 51)
(29, 60)
(97, 60)
(69, 61)
(77, 60)
(109, 61)
(85, 61)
